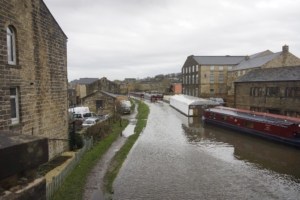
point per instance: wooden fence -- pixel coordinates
(58, 180)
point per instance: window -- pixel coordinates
(212, 68)
(212, 91)
(189, 69)
(221, 90)
(221, 68)
(272, 91)
(193, 79)
(11, 45)
(255, 91)
(244, 72)
(239, 73)
(249, 124)
(197, 80)
(221, 78)
(223, 117)
(292, 91)
(197, 92)
(192, 68)
(14, 105)
(196, 68)
(229, 67)
(99, 105)
(212, 78)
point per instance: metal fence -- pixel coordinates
(58, 180)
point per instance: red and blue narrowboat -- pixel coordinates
(279, 128)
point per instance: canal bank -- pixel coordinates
(99, 181)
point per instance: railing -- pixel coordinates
(59, 179)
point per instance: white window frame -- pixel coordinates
(212, 68)
(239, 73)
(193, 79)
(221, 78)
(197, 79)
(244, 72)
(197, 68)
(221, 68)
(212, 78)
(229, 67)
(11, 45)
(15, 120)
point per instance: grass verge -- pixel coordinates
(119, 158)
(74, 184)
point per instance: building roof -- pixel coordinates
(84, 81)
(272, 74)
(255, 61)
(218, 60)
(103, 92)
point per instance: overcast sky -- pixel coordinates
(121, 39)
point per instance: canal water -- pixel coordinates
(180, 158)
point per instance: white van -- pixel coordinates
(79, 110)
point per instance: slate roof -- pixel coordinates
(84, 81)
(272, 74)
(255, 61)
(218, 60)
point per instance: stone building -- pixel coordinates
(271, 90)
(207, 75)
(33, 65)
(266, 59)
(80, 87)
(103, 84)
(100, 102)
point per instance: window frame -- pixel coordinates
(11, 45)
(16, 119)
(221, 78)
(212, 79)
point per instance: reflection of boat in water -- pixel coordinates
(278, 128)
(262, 153)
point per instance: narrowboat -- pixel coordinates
(279, 128)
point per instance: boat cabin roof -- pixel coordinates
(256, 116)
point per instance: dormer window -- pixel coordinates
(11, 46)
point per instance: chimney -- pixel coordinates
(247, 57)
(285, 49)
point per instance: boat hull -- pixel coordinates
(293, 142)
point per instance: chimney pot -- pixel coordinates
(247, 57)
(285, 49)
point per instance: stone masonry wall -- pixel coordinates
(103, 84)
(243, 99)
(107, 103)
(284, 60)
(40, 73)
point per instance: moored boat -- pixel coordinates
(278, 128)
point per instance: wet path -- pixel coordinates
(177, 158)
(94, 183)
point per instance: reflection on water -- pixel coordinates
(265, 155)
(178, 158)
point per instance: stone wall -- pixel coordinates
(284, 60)
(265, 103)
(108, 103)
(103, 84)
(40, 72)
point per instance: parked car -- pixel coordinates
(218, 100)
(126, 110)
(89, 114)
(103, 116)
(78, 116)
(90, 122)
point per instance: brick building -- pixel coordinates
(271, 90)
(33, 65)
